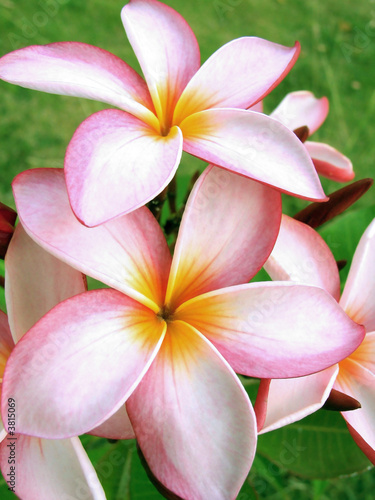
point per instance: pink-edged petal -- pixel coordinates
(274, 329)
(302, 108)
(115, 163)
(35, 281)
(81, 70)
(229, 227)
(101, 340)
(48, 469)
(361, 443)
(129, 253)
(358, 298)
(6, 343)
(258, 107)
(253, 145)
(193, 420)
(166, 48)
(238, 75)
(290, 400)
(116, 427)
(358, 382)
(329, 162)
(301, 255)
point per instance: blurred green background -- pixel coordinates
(337, 60)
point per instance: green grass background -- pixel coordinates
(337, 60)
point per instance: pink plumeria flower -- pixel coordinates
(44, 469)
(302, 108)
(170, 334)
(118, 160)
(300, 254)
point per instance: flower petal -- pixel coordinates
(115, 163)
(329, 162)
(301, 255)
(358, 298)
(6, 343)
(359, 383)
(274, 329)
(81, 70)
(229, 227)
(35, 282)
(50, 469)
(193, 420)
(238, 75)
(129, 253)
(166, 48)
(116, 427)
(290, 400)
(253, 145)
(302, 108)
(103, 340)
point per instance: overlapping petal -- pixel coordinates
(229, 227)
(289, 400)
(129, 253)
(115, 163)
(81, 70)
(253, 145)
(302, 108)
(166, 48)
(238, 75)
(101, 340)
(50, 469)
(193, 419)
(35, 281)
(329, 162)
(116, 427)
(6, 343)
(274, 330)
(358, 298)
(310, 261)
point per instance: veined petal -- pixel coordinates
(81, 70)
(50, 469)
(129, 253)
(102, 339)
(365, 354)
(302, 108)
(359, 382)
(35, 281)
(253, 145)
(290, 400)
(274, 329)
(166, 48)
(115, 163)
(6, 344)
(228, 229)
(358, 298)
(301, 255)
(193, 420)
(116, 427)
(329, 162)
(237, 75)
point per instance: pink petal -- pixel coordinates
(361, 443)
(290, 400)
(274, 329)
(301, 255)
(35, 282)
(116, 427)
(238, 75)
(115, 163)
(193, 420)
(358, 298)
(167, 51)
(257, 107)
(81, 70)
(253, 145)
(329, 162)
(129, 253)
(357, 381)
(50, 469)
(228, 229)
(101, 340)
(302, 108)
(6, 343)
